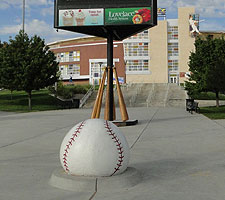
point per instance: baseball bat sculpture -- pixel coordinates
(122, 105)
(98, 102)
(97, 106)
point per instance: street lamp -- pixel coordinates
(125, 65)
(100, 64)
(23, 14)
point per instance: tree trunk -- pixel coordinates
(29, 100)
(11, 94)
(217, 99)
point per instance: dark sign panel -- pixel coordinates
(101, 3)
(120, 18)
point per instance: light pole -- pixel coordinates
(23, 14)
(100, 65)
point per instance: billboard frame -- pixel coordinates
(119, 31)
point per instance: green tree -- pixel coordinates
(7, 71)
(33, 63)
(207, 67)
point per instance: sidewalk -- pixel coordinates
(180, 156)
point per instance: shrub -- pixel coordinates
(68, 91)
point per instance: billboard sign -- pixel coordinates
(81, 17)
(127, 16)
(120, 18)
(161, 12)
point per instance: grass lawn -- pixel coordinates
(213, 112)
(207, 96)
(41, 101)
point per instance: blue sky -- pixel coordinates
(39, 17)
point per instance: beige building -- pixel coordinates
(157, 55)
(169, 44)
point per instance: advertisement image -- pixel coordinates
(127, 16)
(161, 12)
(81, 17)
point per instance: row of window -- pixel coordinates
(68, 56)
(142, 35)
(139, 49)
(96, 71)
(70, 69)
(173, 32)
(136, 49)
(173, 65)
(137, 65)
(173, 49)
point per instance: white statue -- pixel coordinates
(193, 25)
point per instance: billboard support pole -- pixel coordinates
(110, 74)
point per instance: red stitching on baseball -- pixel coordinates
(119, 147)
(70, 143)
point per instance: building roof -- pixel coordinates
(213, 32)
(70, 39)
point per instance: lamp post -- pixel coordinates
(125, 65)
(23, 14)
(100, 68)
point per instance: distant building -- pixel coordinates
(157, 55)
(213, 34)
(84, 59)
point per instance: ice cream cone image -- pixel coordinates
(80, 17)
(68, 18)
(80, 22)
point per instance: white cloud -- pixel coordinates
(211, 25)
(44, 30)
(40, 28)
(47, 11)
(4, 5)
(212, 8)
(14, 29)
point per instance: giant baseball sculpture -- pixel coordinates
(94, 147)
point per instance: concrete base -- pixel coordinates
(128, 179)
(126, 123)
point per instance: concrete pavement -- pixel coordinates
(179, 156)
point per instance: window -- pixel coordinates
(136, 52)
(210, 36)
(96, 75)
(136, 49)
(173, 65)
(137, 65)
(173, 49)
(96, 71)
(70, 69)
(68, 56)
(142, 35)
(76, 55)
(173, 32)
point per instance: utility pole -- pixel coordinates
(23, 14)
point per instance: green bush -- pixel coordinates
(68, 91)
(182, 85)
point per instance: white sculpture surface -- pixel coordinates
(94, 147)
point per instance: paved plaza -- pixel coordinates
(179, 156)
